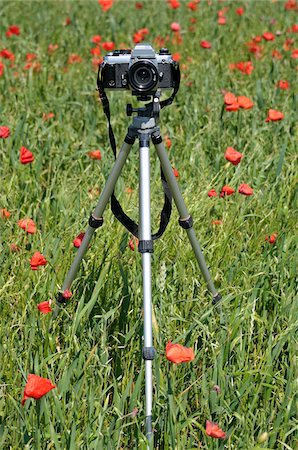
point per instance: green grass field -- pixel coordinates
(244, 375)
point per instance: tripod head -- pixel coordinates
(151, 109)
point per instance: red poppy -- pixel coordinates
(216, 222)
(233, 107)
(175, 172)
(108, 46)
(221, 20)
(27, 225)
(268, 36)
(294, 28)
(212, 193)
(244, 102)
(5, 213)
(35, 66)
(52, 48)
(276, 54)
(230, 98)
(174, 4)
(274, 115)
(74, 59)
(105, 4)
(291, 5)
(4, 132)
(138, 5)
(95, 154)
(67, 294)
(47, 116)
(13, 30)
(283, 84)
(245, 67)
(245, 189)
(132, 243)
(271, 239)
(240, 11)
(95, 51)
(37, 260)
(233, 156)
(213, 430)
(36, 387)
(44, 307)
(192, 6)
(168, 142)
(26, 156)
(288, 44)
(6, 54)
(78, 240)
(67, 21)
(14, 248)
(31, 56)
(176, 56)
(205, 44)
(254, 48)
(1, 69)
(96, 39)
(294, 53)
(226, 190)
(177, 353)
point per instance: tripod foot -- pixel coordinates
(216, 298)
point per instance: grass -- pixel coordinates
(92, 349)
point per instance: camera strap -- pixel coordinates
(117, 210)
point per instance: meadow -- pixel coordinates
(238, 89)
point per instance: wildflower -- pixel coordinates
(5, 213)
(244, 67)
(132, 243)
(95, 154)
(108, 46)
(294, 54)
(205, 44)
(138, 5)
(74, 58)
(67, 21)
(177, 353)
(221, 20)
(245, 189)
(14, 248)
(175, 26)
(4, 132)
(274, 115)
(78, 240)
(283, 84)
(233, 107)
(174, 4)
(271, 239)
(192, 6)
(213, 430)
(36, 387)
(244, 102)
(1, 69)
(276, 54)
(294, 28)
(52, 48)
(27, 225)
(230, 98)
(216, 388)
(176, 56)
(226, 190)
(95, 51)
(66, 294)
(6, 54)
(31, 57)
(105, 4)
(26, 156)
(168, 142)
(240, 11)
(47, 116)
(216, 222)
(233, 156)
(268, 36)
(37, 260)
(96, 39)
(13, 30)
(44, 307)
(175, 172)
(212, 193)
(291, 5)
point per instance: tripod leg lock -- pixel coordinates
(95, 222)
(145, 246)
(216, 298)
(186, 223)
(149, 353)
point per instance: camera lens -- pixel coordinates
(143, 76)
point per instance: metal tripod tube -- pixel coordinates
(146, 248)
(98, 211)
(184, 214)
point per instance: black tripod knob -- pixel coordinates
(129, 110)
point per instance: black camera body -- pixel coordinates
(141, 70)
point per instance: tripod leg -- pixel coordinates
(146, 248)
(96, 219)
(185, 218)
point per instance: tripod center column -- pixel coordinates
(146, 248)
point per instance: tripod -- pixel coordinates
(144, 127)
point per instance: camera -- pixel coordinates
(141, 70)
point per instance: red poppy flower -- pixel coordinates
(294, 54)
(4, 132)
(74, 59)
(176, 57)
(6, 54)
(44, 307)
(37, 260)
(5, 213)
(276, 54)
(192, 6)
(138, 5)
(108, 46)
(230, 98)
(36, 387)
(95, 154)
(26, 156)
(213, 430)
(244, 102)
(47, 116)
(168, 142)
(105, 4)
(1, 69)
(174, 4)
(245, 189)
(67, 21)
(133, 242)
(294, 28)
(177, 353)
(221, 20)
(78, 240)
(212, 193)
(233, 156)
(233, 107)
(96, 39)
(175, 26)
(66, 294)
(226, 190)
(240, 11)
(31, 56)
(175, 172)
(52, 48)
(205, 44)
(268, 36)
(274, 115)
(291, 5)
(271, 239)
(283, 84)
(13, 30)
(254, 48)
(95, 51)
(27, 225)
(14, 248)
(217, 222)
(245, 67)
